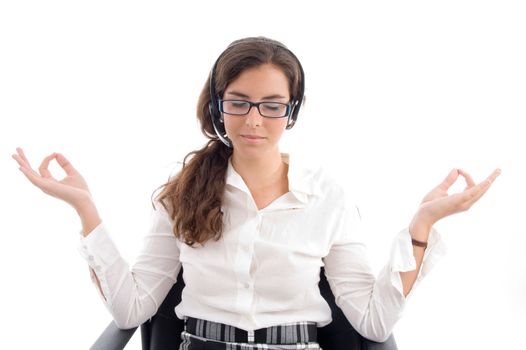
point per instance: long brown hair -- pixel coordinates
(194, 196)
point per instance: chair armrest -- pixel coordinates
(113, 338)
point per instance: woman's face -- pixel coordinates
(253, 135)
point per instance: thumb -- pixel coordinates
(449, 180)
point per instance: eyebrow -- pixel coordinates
(270, 97)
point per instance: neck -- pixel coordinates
(260, 173)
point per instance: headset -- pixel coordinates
(213, 105)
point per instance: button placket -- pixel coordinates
(245, 251)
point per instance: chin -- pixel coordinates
(252, 151)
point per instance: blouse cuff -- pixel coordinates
(403, 260)
(100, 252)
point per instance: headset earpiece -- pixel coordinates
(219, 128)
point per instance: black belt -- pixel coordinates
(290, 333)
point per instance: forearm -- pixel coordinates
(409, 277)
(419, 232)
(89, 216)
(90, 219)
(132, 295)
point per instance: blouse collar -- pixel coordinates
(302, 180)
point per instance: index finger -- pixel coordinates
(469, 180)
(65, 164)
(43, 169)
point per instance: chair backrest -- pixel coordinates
(163, 330)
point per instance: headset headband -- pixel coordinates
(213, 105)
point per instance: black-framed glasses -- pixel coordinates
(266, 109)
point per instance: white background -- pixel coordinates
(398, 94)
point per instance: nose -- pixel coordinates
(253, 118)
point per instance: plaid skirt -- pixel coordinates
(207, 335)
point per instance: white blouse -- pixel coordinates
(265, 269)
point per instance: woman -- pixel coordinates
(252, 227)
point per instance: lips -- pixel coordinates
(253, 137)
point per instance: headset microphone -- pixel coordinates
(222, 135)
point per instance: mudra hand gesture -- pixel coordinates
(438, 204)
(72, 189)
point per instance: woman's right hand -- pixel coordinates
(72, 189)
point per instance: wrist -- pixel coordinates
(89, 216)
(420, 227)
(84, 204)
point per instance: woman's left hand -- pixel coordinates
(438, 204)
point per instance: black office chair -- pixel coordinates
(163, 330)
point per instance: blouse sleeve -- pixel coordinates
(373, 305)
(133, 296)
